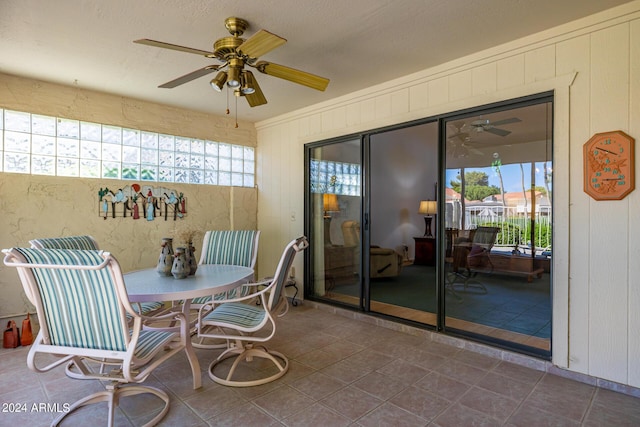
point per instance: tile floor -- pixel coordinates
(344, 372)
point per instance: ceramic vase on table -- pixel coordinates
(187, 258)
(180, 269)
(165, 261)
(193, 262)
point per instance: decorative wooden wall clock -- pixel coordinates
(609, 166)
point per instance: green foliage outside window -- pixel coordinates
(512, 233)
(110, 173)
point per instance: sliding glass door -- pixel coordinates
(445, 223)
(403, 172)
(334, 218)
(498, 219)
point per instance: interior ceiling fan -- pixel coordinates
(236, 53)
(485, 125)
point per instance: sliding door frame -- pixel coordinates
(364, 138)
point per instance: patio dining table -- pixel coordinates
(147, 285)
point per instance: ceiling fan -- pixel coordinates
(457, 143)
(235, 53)
(485, 125)
(458, 146)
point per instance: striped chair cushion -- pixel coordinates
(218, 297)
(234, 247)
(203, 300)
(82, 309)
(148, 307)
(236, 314)
(145, 308)
(73, 242)
(81, 306)
(150, 342)
(87, 243)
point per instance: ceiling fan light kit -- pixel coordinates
(233, 75)
(236, 53)
(247, 83)
(219, 80)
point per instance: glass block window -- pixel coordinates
(335, 177)
(44, 145)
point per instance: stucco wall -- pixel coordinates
(40, 206)
(593, 67)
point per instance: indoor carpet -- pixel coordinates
(510, 303)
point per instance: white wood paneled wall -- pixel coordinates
(593, 65)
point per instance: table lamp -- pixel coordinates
(329, 205)
(428, 208)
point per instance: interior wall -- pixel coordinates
(593, 67)
(33, 206)
(404, 170)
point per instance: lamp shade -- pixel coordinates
(330, 203)
(428, 207)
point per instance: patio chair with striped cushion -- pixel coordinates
(246, 327)
(87, 242)
(82, 306)
(229, 247)
(232, 247)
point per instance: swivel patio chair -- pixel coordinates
(472, 257)
(231, 247)
(246, 327)
(86, 242)
(82, 307)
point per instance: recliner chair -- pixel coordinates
(383, 262)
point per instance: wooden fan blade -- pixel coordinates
(497, 131)
(164, 45)
(462, 136)
(260, 43)
(506, 121)
(293, 75)
(191, 76)
(256, 98)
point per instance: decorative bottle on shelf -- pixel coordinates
(193, 262)
(180, 268)
(166, 257)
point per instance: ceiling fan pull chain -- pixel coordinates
(236, 111)
(227, 100)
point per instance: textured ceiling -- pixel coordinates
(354, 43)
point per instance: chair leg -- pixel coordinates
(448, 287)
(450, 277)
(292, 283)
(470, 282)
(111, 395)
(467, 280)
(248, 353)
